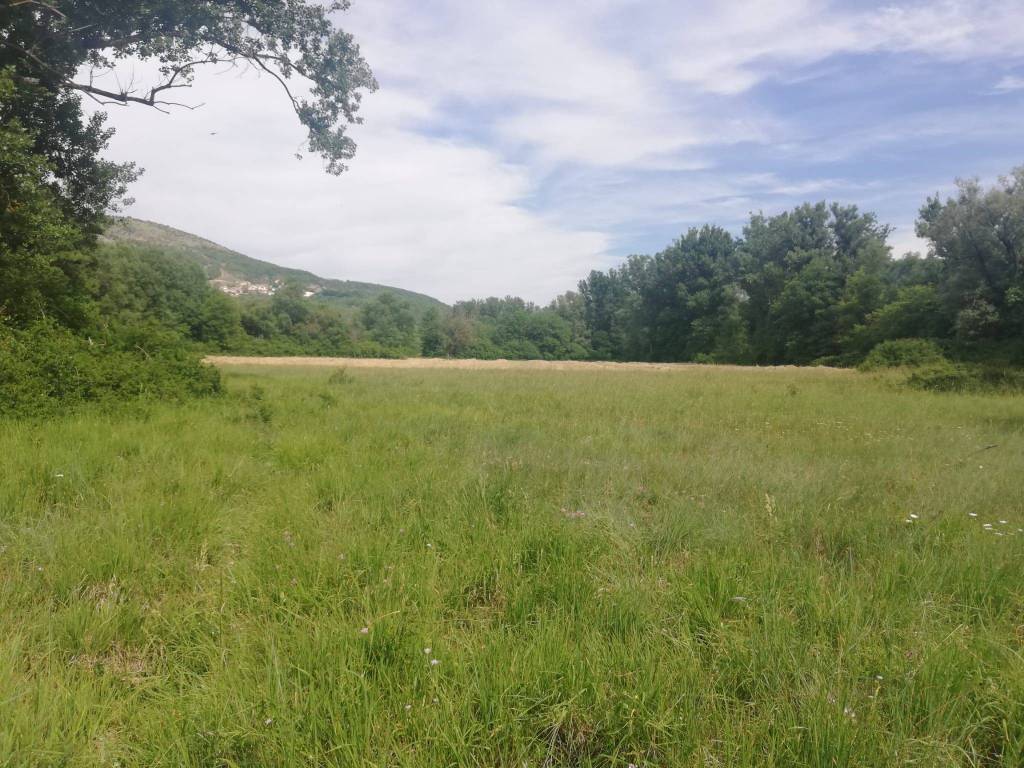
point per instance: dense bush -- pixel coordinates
(903, 353)
(948, 377)
(46, 369)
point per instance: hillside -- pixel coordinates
(240, 275)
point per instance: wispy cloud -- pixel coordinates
(1009, 83)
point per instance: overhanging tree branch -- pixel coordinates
(52, 40)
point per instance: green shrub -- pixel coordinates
(46, 369)
(339, 377)
(948, 377)
(903, 353)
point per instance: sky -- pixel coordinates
(513, 146)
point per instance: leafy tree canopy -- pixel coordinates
(979, 236)
(62, 44)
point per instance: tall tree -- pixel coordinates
(41, 263)
(390, 323)
(688, 294)
(432, 335)
(979, 236)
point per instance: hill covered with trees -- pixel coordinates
(241, 275)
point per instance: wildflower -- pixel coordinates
(427, 650)
(434, 699)
(59, 474)
(913, 516)
(1002, 522)
(268, 721)
(879, 677)
(429, 545)
(987, 526)
(408, 707)
(364, 631)
(972, 514)
(434, 662)
(848, 711)
(908, 520)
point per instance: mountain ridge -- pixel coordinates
(236, 274)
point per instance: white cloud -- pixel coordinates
(727, 48)
(1009, 83)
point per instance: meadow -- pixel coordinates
(404, 567)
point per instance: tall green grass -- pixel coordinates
(470, 568)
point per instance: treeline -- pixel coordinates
(137, 287)
(814, 285)
(818, 285)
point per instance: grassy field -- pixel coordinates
(695, 567)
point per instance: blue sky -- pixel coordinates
(514, 146)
